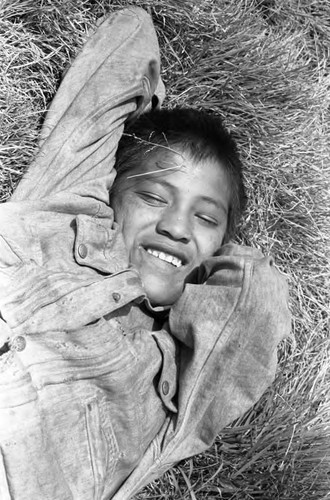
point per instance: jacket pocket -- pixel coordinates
(4, 488)
(103, 447)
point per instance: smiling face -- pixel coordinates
(171, 220)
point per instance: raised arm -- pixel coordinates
(114, 77)
(229, 329)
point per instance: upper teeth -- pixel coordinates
(165, 256)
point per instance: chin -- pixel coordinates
(157, 299)
(161, 295)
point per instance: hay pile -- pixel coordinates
(264, 67)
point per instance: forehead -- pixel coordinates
(204, 178)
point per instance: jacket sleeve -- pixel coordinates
(114, 77)
(228, 329)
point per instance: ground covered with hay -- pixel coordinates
(264, 67)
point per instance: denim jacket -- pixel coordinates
(100, 394)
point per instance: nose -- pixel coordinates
(175, 226)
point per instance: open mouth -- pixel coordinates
(167, 257)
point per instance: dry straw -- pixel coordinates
(264, 67)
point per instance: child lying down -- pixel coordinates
(132, 330)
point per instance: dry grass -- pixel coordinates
(264, 67)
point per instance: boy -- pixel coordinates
(178, 190)
(114, 366)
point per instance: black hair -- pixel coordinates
(197, 133)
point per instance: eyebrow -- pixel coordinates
(217, 203)
(143, 174)
(159, 169)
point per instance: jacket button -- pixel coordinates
(165, 387)
(82, 251)
(18, 343)
(116, 296)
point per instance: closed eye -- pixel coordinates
(152, 199)
(207, 220)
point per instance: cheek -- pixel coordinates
(122, 215)
(123, 207)
(133, 217)
(126, 219)
(210, 243)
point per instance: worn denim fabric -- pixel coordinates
(100, 394)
